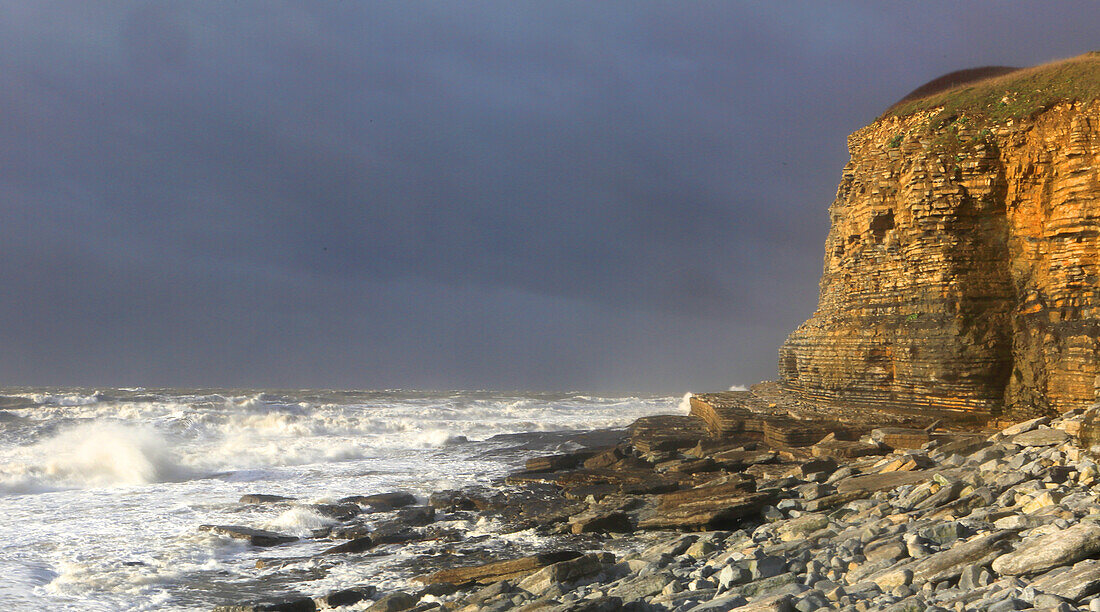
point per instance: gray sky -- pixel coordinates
(613, 196)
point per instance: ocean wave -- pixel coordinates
(92, 455)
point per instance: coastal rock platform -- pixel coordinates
(696, 513)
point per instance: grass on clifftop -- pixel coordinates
(1015, 95)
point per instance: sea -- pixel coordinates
(102, 491)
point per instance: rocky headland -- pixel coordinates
(929, 446)
(962, 267)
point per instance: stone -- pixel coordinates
(262, 498)
(415, 515)
(949, 564)
(560, 572)
(880, 482)
(618, 522)
(843, 449)
(796, 529)
(717, 507)
(640, 587)
(553, 463)
(345, 597)
(499, 570)
(1075, 583)
(666, 433)
(1041, 437)
(1043, 553)
(301, 604)
(384, 501)
(356, 545)
(900, 437)
(394, 602)
(255, 537)
(732, 575)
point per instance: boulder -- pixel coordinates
(255, 537)
(1076, 583)
(394, 602)
(356, 545)
(345, 597)
(1046, 552)
(618, 522)
(300, 604)
(560, 572)
(384, 501)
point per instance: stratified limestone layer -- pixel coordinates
(961, 268)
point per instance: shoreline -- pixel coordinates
(674, 517)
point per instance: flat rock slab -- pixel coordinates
(1044, 436)
(719, 511)
(1076, 583)
(255, 537)
(1047, 552)
(881, 482)
(901, 437)
(843, 449)
(500, 570)
(666, 433)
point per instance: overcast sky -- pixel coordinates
(612, 196)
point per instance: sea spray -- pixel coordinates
(103, 492)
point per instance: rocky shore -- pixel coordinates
(715, 511)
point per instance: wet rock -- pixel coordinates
(666, 433)
(301, 604)
(394, 602)
(263, 498)
(1047, 552)
(345, 597)
(618, 522)
(416, 515)
(452, 501)
(553, 463)
(383, 501)
(356, 545)
(605, 458)
(500, 570)
(340, 512)
(255, 537)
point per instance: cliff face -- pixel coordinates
(962, 267)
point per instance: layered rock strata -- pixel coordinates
(962, 267)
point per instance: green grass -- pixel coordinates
(1016, 95)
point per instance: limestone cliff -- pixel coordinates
(962, 267)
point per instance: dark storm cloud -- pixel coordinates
(609, 195)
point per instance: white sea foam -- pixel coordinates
(102, 493)
(685, 403)
(93, 455)
(738, 388)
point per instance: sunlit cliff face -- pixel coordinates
(961, 268)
